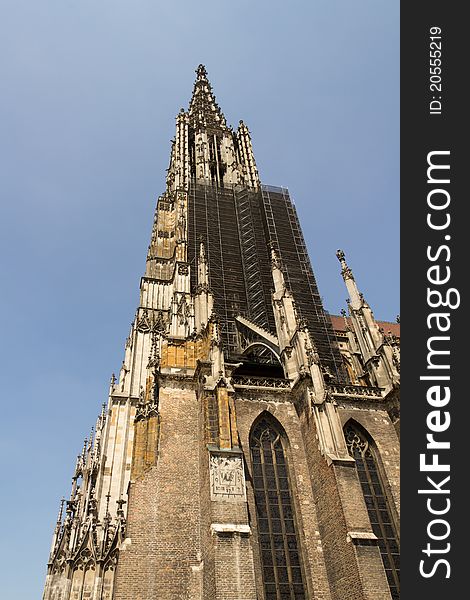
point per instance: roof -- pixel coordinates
(339, 325)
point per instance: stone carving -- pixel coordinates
(143, 325)
(227, 478)
(145, 410)
(345, 270)
(261, 382)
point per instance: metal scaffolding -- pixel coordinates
(237, 225)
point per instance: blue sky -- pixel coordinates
(90, 91)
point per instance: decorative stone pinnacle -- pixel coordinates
(108, 496)
(275, 259)
(345, 270)
(201, 72)
(154, 357)
(120, 504)
(202, 251)
(61, 511)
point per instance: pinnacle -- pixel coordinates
(203, 109)
(201, 72)
(345, 269)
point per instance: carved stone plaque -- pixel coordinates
(227, 478)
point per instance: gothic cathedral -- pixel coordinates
(249, 447)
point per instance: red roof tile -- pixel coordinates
(339, 325)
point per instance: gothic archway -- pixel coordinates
(362, 448)
(259, 351)
(277, 534)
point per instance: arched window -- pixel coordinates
(83, 576)
(278, 542)
(362, 449)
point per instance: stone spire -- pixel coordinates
(349, 280)
(376, 355)
(203, 300)
(202, 267)
(205, 149)
(203, 110)
(247, 157)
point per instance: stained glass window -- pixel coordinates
(365, 454)
(277, 536)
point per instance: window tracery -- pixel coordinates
(277, 536)
(363, 451)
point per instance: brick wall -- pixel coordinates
(353, 573)
(174, 552)
(163, 542)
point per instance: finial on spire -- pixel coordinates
(345, 270)
(356, 300)
(347, 327)
(201, 72)
(242, 126)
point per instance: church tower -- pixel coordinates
(248, 449)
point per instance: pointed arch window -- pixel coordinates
(277, 535)
(362, 449)
(83, 576)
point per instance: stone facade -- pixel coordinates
(225, 472)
